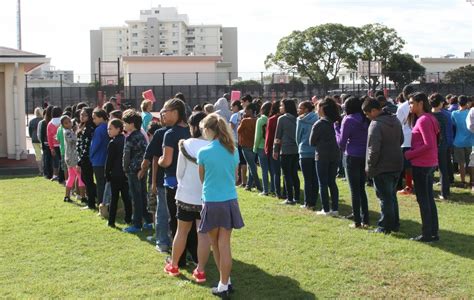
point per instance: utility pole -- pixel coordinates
(18, 24)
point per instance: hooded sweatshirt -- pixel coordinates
(286, 133)
(100, 141)
(385, 137)
(222, 108)
(303, 132)
(260, 129)
(187, 173)
(352, 135)
(424, 142)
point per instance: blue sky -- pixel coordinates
(60, 29)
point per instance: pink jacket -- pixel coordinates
(424, 142)
(51, 131)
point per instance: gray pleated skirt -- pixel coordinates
(221, 214)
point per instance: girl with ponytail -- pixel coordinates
(218, 163)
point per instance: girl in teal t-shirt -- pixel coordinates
(221, 213)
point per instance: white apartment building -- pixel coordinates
(162, 31)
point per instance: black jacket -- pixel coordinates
(113, 162)
(323, 137)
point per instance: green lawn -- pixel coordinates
(53, 249)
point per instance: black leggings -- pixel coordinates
(120, 185)
(191, 242)
(87, 175)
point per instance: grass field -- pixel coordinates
(53, 249)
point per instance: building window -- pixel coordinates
(174, 34)
(175, 25)
(175, 51)
(134, 26)
(162, 42)
(144, 51)
(135, 52)
(135, 44)
(202, 30)
(203, 46)
(175, 42)
(152, 46)
(202, 38)
(134, 34)
(157, 11)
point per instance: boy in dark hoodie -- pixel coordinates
(384, 162)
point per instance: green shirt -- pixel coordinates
(60, 138)
(259, 141)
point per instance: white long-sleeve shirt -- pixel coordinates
(470, 120)
(187, 173)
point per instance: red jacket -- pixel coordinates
(270, 133)
(51, 131)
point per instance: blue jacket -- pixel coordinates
(98, 150)
(303, 131)
(449, 128)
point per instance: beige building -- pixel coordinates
(436, 68)
(13, 66)
(175, 70)
(162, 31)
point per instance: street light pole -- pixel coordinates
(18, 24)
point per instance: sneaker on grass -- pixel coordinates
(323, 213)
(200, 277)
(132, 229)
(171, 270)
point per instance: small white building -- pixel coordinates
(13, 66)
(177, 70)
(436, 68)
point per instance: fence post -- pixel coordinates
(164, 87)
(130, 86)
(197, 86)
(26, 98)
(61, 89)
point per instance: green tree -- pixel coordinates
(377, 42)
(247, 86)
(461, 75)
(402, 69)
(317, 53)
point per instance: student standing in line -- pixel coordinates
(174, 112)
(323, 138)
(84, 138)
(384, 162)
(259, 144)
(221, 213)
(52, 130)
(33, 128)
(286, 149)
(189, 201)
(437, 102)
(115, 174)
(307, 118)
(423, 156)
(353, 141)
(234, 124)
(246, 134)
(98, 151)
(275, 166)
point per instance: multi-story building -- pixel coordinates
(162, 31)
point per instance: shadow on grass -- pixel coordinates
(254, 283)
(459, 244)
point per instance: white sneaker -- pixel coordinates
(334, 213)
(322, 213)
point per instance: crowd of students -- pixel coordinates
(180, 172)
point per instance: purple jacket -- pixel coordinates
(351, 135)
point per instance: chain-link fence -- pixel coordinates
(199, 88)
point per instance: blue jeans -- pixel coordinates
(264, 164)
(253, 175)
(386, 190)
(162, 218)
(443, 171)
(137, 191)
(311, 184)
(355, 167)
(327, 171)
(275, 176)
(423, 179)
(289, 165)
